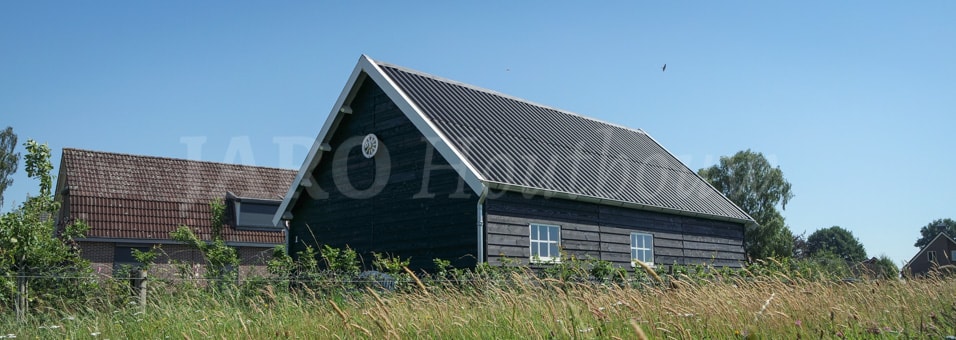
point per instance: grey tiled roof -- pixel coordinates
(517, 143)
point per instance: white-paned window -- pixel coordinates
(642, 248)
(545, 242)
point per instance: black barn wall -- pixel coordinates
(392, 221)
(603, 232)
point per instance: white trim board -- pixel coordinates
(367, 68)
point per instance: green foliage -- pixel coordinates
(221, 259)
(771, 239)
(800, 249)
(307, 261)
(887, 268)
(9, 160)
(281, 264)
(837, 241)
(590, 269)
(146, 258)
(29, 246)
(40, 168)
(748, 179)
(931, 230)
(218, 208)
(442, 267)
(340, 261)
(390, 264)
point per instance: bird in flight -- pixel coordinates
(664, 68)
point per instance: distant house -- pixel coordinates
(941, 251)
(423, 167)
(134, 202)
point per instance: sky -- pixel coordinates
(854, 100)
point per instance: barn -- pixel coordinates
(418, 166)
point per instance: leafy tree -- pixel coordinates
(800, 250)
(747, 179)
(27, 243)
(887, 269)
(929, 231)
(837, 241)
(8, 159)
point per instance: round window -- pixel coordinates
(369, 145)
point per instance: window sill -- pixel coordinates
(545, 260)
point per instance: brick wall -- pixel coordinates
(100, 255)
(175, 260)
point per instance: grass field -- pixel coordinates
(774, 306)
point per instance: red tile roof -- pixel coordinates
(145, 198)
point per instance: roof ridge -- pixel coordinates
(503, 95)
(175, 159)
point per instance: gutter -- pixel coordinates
(481, 223)
(286, 232)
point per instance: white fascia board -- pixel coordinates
(366, 67)
(441, 143)
(315, 153)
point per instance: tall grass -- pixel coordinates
(521, 306)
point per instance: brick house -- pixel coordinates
(134, 202)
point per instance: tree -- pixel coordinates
(747, 179)
(837, 241)
(8, 159)
(27, 243)
(800, 250)
(929, 231)
(887, 269)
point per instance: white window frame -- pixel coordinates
(636, 248)
(952, 256)
(535, 241)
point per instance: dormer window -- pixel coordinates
(254, 213)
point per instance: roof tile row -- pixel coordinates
(140, 197)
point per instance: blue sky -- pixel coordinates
(854, 100)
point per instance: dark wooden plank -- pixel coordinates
(507, 240)
(579, 235)
(712, 246)
(508, 251)
(659, 251)
(392, 220)
(730, 241)
(581, 245)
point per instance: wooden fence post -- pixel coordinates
(139, 286)
(22, 300)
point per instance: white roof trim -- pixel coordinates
(367, 67)
(314, 156)
(454, 157)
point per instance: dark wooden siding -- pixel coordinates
(604, 232)
(942, 246)
(392, 221)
